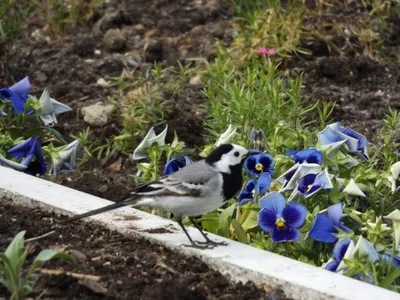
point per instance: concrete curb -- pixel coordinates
(241, 262)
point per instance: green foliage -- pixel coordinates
(12, 262)
(62, 16)
(11, 21)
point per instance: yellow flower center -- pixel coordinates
(308, 188)
(280, 223)
(275, 186)
(259, 167)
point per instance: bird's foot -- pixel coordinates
(197, 245)
(210, 242)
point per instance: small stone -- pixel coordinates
(196, 80)
(379, 94)
(114, 40)
(102, 82)
(40, 76)
(139, 28)
(103, 188)
(154, 51)
(97, 52)
(80, 256)
(97, 114)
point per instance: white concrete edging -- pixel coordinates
(241, 262)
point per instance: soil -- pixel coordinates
(171, 31)
(127, 268)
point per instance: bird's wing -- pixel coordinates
(189, 181)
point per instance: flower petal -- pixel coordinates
(305, 182)
(245, 197)
(11, 164)
(287, 234)
(250, 165)
(329, 136)
(22, 149)
(322, 229)
(267, 219)
(311, 155)
(340, 248)
(395, 170)
(22, 87)
(396, 259)
(274, 202)
(263, 183)
(268, 162)
(294, 214)
(335, 212)
(301, 171)
(331, 266)
(353, 189)
(323, 180)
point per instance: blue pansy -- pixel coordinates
(259, 163)
(280, 219)
(17, 94)
(248, 192)
(255, 187)
(312, 183)
(176, 164)
(311, 156)
(31, 152)
(335, 135)
(338, 253)
(290, 179)
(324, 227)
(396, 259)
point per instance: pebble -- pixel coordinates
(102, 82)
(97, 114)
(114, 40)
(196, 80)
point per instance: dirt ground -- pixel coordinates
(172, 31)
(126, 268)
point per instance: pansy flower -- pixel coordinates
(324, 227)
(290, 179)
(335, 135)
(280, 219)
(148, 140)
(255, 187)
(31, 151)
(17, 94)
(311, 156)
(310, 184)
(257, 137)
(259, 163)
(338, 254)
(49, 108)
(177, 163)
(64, 160)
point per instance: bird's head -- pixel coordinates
(227, 156)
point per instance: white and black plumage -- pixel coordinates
(194, 190)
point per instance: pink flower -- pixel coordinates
(267, 51)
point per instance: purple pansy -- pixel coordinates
(311, 156)
(176, 164)
(255, 187)
(31, 151)
(17, 94)
(312, 183)
(280, 219)
(324, 226)
(259, 163)
(338, 253)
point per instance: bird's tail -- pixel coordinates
(126, 202)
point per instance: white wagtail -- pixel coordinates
(194, 190)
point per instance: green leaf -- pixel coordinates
(224, 219)
(6, 284)
(57, 134)
(390, 278)
(14, 250)
(48, 254)
(241, 234)
(251, 220)
(20, 263)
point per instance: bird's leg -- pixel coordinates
(192, 243)
(208, 241)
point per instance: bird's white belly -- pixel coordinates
(185, 206)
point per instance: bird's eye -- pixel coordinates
(236, 153)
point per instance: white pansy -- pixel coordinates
(148, 140)
(49, 108)
(227, 136)
(353, 189)
(395, 171)
(395, 217)
(64, 160)
(299, 170)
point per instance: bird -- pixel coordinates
(194, 190)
